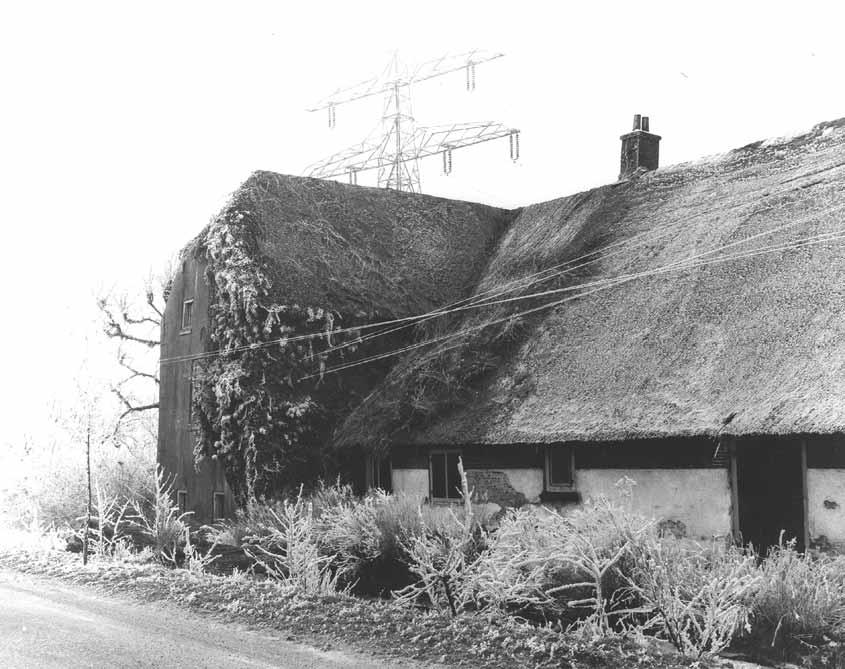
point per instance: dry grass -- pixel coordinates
(800, 599)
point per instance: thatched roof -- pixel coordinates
(372, 252)
(740, 346)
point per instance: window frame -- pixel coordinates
(187, 308)
(373, 476)
(547, 470)
(215, 495)
(446, 452)
(182, 501)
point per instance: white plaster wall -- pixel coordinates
(411, 482)
(699, 498)
(826, 485)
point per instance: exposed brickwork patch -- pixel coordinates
(494, 486)
(670, 527)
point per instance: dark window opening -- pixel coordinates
(380, 474)
(560, 468)
(182, 501)
(217, 506)
(444, 476)
(187, 314)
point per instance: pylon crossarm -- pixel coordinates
(447, 64)
(459, 135)
(360, 158)
(387, 82)
(429, 141)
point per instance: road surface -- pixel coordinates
(46, 624)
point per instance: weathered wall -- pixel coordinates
(506, 487)
(411, 482)
(826, 505)
(699, 498)
(175, 437)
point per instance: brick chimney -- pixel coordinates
(639, 149)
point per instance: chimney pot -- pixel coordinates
(640, 149)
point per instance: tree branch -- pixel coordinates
(152, 305)
(138, 321)
(115, 328)
(130, 408)
(136, 373)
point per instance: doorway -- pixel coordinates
(770, 491)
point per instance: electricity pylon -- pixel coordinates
(398, 145)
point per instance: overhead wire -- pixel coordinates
(480, 299)
(611, 283)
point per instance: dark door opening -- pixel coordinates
(770, 492)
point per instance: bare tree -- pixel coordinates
(136, 326)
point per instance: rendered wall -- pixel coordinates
(826, 506)
(411, 482)
(699, 498)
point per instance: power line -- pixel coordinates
(831, 236)
(478, 300)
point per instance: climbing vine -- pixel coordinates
(263, 406)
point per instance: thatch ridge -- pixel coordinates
(371, 252)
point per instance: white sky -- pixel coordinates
(124, 126)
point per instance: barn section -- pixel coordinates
(361, 253)
(701, 356)
(199, 488)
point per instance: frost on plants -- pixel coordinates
(699, 598)
(288, 551)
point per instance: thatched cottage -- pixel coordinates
(682, 327)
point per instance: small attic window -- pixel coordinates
(187, 316)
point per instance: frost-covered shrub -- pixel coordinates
(549, 564)
(288, 550)
(368, 537)
(442, 556)
(799, 598)
(698, 597)
(161, 521)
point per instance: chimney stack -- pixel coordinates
(640, 149)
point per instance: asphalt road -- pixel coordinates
(45, 624)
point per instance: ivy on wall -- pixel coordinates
(267, 412)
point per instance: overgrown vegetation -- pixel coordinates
(800, 600)
(699, 598)
(267, 412)
(44, 486)
(600, 571)
(590, 578)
